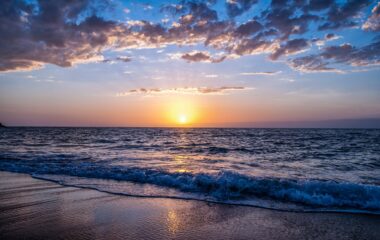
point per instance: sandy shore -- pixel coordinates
(37, 209)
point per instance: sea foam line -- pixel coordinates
(236, 203)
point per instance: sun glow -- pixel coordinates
(182, 119)
(182, 112)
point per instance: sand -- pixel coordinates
(38, 209)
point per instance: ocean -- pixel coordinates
(285, 169)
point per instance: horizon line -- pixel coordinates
(355, 123)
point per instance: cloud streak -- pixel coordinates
(260, 73)
(202, 57)
(368, 55)
(184, 90)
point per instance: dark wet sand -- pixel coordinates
(37, 209)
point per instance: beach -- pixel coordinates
(37, 209)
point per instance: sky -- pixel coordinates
(215, 63)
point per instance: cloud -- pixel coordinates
(65, 33)
(147, 7)
(346, 53)
(373, 22)
(253, 46)
(144, 6)
(318, 5)
(248, 28)
(184, 90)
(328, 37)
(47, 81)
(331, 36)
(311, 63)
(238, 7)
(124, 58)
(291, 47)
(281, 17)
(344, 15)
(117, 59)
(173, 9)
(211, 76)
(367, 55)
(260, 73)
(19, 65)
(201, 57)
(50, 35)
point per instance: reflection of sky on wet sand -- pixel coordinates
(37, 209)
(40, 209)
(85, 214)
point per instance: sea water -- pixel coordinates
(287, 169)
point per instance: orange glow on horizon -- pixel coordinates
(182, 112)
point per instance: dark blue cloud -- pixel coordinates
(238, 7)
(343, 54)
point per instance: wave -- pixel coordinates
(213, 150)
(225, 186)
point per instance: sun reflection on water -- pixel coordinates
(181, 162)
(173, 221)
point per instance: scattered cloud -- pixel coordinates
(368, 55)
(203, 56)
(65, 33)
(343, 15)
(133, 23)
(328, 37)
(271, 73)
(124, 58)
(184, 90)
(373, 22)
(147, 7)
(290, 80)
(291, 47)
(310, 64)
(165, 20)
(238, 7)
(117, 59)
(211, 76)
(331, 36)
(47, 81)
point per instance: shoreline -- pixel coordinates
(40, 209)
(352, 211)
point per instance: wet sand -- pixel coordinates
(37, 209)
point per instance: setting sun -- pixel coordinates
(182, 111)
(182, 119)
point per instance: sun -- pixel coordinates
(181, 112)
(182, 119)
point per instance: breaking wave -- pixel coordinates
(225, 186)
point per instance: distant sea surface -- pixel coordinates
(287, 169)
